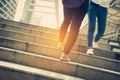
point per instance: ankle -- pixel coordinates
(64, 54)
(64, 57)
(90, 47)
(60, 45)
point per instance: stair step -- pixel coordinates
(103, 40)
(20, 72)
(41, 32)
(30, 31)
(104, 46)
(27, 37)
(43, 49)
(114, 41)
(79, 57)
(68, 68)
(109, 47)
(109, 41)
(21, 24)
(116, 49)
(105, 53)
(35, 39)
(38, 30)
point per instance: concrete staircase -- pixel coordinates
(30, 52)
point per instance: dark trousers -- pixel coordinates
(73, 17)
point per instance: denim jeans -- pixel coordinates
(95, 11)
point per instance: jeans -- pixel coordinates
(95, 11)
(73, 17)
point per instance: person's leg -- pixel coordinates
(65, 24)
(102, 17)
(91, 26)
(77, 19)
(91, 22)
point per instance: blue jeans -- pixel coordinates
(98, 12)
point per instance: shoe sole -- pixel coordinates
(65, 60)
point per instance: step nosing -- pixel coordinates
(45, 46)
(28, 28)
(95, 56)
(28, 53)
(11, 31)
(103, 50)
(34, 71)
(76, 64)
(26, 42)
(42, 45)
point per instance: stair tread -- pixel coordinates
(35, 31)
(27, 34)
(43, 44)
(36, 39)
(69, 63)
(53, 54)
(33, 70)
(92, 70)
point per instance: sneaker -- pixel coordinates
(60, 45)
(95, 44)
(64, 57)
(90, 52)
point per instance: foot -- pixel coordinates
(95, 44)
(98, 36)
(64, 57)
(60, 45)
(90, 52)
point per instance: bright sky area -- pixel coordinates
(42, 19)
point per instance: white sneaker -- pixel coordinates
(90, 52)
(95, 44)
(64, 57)
(60, 45)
